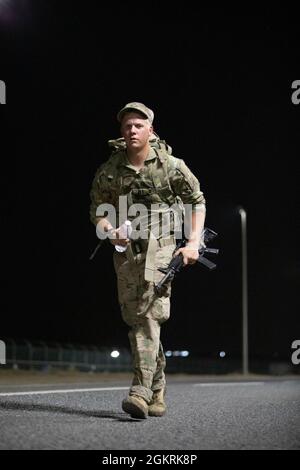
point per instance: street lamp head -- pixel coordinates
(242, 212)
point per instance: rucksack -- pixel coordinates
(156, 142)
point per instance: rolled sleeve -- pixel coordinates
(185, 185)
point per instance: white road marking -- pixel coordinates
(105, 389)
(227, 384)
(76, 390)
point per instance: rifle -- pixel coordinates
(177, 263)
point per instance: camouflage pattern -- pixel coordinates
(139, 107)
(163, 179)
(144, 312)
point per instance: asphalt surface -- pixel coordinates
(261, 414)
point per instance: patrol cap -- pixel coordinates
(138, 107)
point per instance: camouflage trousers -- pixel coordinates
(144, 312)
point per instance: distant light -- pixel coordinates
(115, 354)
(4, 3)
(222, 354)
(15, 13)
(185, 353)
(6, 7)
(177, 353)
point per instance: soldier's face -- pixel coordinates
(136, 131)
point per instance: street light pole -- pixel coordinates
(243, 215)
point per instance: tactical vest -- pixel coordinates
(159, 191)
(155, 189)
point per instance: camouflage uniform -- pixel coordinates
(162, 179)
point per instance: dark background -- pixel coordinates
(219, 82)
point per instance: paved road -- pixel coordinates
(218, 415)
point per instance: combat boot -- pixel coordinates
(157, 406)
(136, 406)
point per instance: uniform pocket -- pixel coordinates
(161, 309)
(127, 282)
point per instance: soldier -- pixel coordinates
(142, 169)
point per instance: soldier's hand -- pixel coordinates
(190, 255)
(115, 238)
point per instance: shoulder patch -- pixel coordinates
(173, 162)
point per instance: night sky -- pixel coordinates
(219, 82)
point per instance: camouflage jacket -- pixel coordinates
(163, 179)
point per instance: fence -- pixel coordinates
(40, 355)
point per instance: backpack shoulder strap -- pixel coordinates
(169, 165)
(117, 144)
